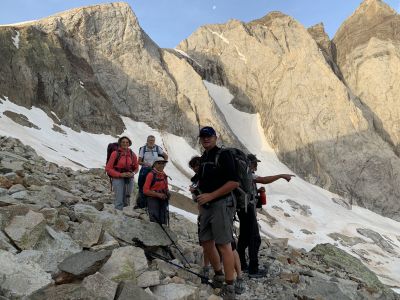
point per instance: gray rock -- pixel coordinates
(319, 289)
(62, 223)
(5, 243)
(3, 192)
(73, 291)
(107, 242)
(21, 195)
(176, 292)
(55, 247)
(164, 267)
(124, 228)
(87, 234)
(343, 261)
(148, 278)
(100, 286)
(129, 289)
(16, 188)
(50, 214)
(84, 263)
(8, 213)
(18, 280)
(378, 240)
(125, 264)
(25, 231)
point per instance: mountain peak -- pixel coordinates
(374, 8)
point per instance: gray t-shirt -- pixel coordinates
(149, 155)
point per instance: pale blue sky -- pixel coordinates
(168, 22)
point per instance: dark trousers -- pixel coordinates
(249, 237)
(158, 210)
(141, 200)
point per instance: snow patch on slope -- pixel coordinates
(288, 202)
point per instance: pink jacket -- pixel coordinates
(126, 163)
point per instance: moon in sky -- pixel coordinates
(214, 7)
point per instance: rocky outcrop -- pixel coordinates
(368, 54)
(309, 115)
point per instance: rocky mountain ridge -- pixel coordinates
(316, 122)
(61, 239)
(320, 101)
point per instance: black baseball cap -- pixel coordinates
(252, 158)
(207, 131)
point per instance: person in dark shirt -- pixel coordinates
(249, 236)
(217, 180)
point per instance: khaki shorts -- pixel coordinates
(216, 221)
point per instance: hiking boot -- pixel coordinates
(239, 286)
(218, 281)
(259, 274)
(205, 272)
(227, 292)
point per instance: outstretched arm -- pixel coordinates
(270, 179)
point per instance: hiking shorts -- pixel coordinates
(216, 221)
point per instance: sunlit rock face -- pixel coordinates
(314, 121)
(90, 65)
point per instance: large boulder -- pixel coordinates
(51, 250)
(123, 227)
(175, 291)
(18, 280)
(125, 264)
(84, 263)
(25, 231)
(100, 286)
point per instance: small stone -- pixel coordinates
(148, 278)
(100, 286)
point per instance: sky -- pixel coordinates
(168, 22)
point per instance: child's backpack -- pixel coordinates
(245, 193)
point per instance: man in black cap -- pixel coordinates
(249, 234)
(216, 182)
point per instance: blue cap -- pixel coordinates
(207, 131)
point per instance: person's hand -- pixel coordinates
(191, 189)
(204, 198)
(287, 177)
(162, 196)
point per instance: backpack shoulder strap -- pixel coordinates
(117, 158)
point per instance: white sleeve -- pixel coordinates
(160, 150)
(255, 176)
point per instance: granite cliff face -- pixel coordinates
(311, 117)
(368, 54)
(329, 108)
(90, 65)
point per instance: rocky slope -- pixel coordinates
(311, 117)
(60, 238)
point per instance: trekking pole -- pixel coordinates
(173, 242)
(203, 278)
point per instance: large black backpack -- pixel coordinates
(245, 193)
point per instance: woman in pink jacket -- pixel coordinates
(122, 167)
